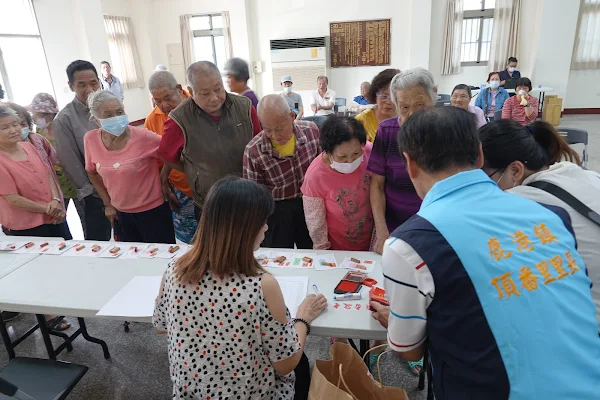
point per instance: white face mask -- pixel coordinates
(287, 89)
(347, 168)
(522, 92)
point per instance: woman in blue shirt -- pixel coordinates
(492, 98)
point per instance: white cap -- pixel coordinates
(160, 67)
(286, 78)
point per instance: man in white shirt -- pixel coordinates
(323, 99)
(110, 82)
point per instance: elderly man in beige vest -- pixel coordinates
(205, 136)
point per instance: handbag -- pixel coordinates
(568, 198)
(346, 377)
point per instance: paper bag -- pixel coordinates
(345, 377)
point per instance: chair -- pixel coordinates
(38, 379)
(576, 136)
(442, 103)
(339, 102)
(317, 119)
(498, 115)
(445, 97)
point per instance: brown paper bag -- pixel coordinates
(345, 377)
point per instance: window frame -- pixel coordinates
(211, 32)
(482, 14)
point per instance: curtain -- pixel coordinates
(187, 40)
(123, 51)
(227, 35)
(505, 34)
(586, 53)
(452, 37)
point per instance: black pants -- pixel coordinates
(288, 226)
(95, 224)
(152, 226)
(46, 230)
(302, 373)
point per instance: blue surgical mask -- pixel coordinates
(512, 69)
(24, 134)
(287, 89)
(494, 84)
(115, 125)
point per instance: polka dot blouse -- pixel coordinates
(223, 339)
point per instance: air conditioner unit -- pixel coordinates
(304, 59)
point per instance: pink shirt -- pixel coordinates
(29, 179)
(130, 175)
(348, 215)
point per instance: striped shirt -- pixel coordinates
(513, 109)
(282, 176)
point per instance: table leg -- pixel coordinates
(10, 349)
(46, 336)
(365, 345)
(86, 336)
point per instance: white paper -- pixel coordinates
(11, 245)
(286, 263)
(163, 251)
(87, 250)
(35, 249)
(294, 289)
(136, 299)
(122, 247)
(133, 250)
(328, 259)
(297, 261)
(54, 248)
(363, 266)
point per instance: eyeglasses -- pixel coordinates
(459, 97)
(383, 96)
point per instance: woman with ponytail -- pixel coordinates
(519, 157)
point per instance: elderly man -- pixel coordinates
(111, 82)
(206, 135)
(278, 158)
(70, 126)
(364, 90)
(167, 94)
(323, 99)
(490, 282)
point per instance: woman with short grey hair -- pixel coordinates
(393, 197)
(237, 73)
(121, 162)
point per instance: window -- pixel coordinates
(478, 22)
(586, 53)
(123, 51)
(209, 39)
(23, 67)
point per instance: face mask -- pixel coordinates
(41, 123)
(512, 69)
(494, 84)
(287, 89)
(115, 125)
(522, 92)
(347, 168)
(24, 133)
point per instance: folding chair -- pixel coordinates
(444, 97)
(317, 119)
(576, 136)
(37, 379)
(339, 102)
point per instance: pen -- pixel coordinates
(316, 289)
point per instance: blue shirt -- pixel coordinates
(360, 100)
(504, 75)
(511, 314)
(484, 99)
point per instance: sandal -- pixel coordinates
(415, 366)
(60, 326)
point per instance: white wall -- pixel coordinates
(583, 90)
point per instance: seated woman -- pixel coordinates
(121, 161)
(240, 333)
(523, 107)
(378, 94)
(236, 71)
(461, 98)
(517, 157)
(335, 191)
(492, 98)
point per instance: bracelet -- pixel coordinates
(305, 322)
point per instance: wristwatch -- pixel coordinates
(57, 199)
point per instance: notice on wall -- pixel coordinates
(360, 43)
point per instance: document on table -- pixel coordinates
(294, 289)
(136, 299)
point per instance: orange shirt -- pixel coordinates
(155, 121)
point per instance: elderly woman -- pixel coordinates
(235, 330)
(237, 73)
(121, 162)
(378, 94)
(492, 98)
(336, 188)
(461, 97)
(523, 107)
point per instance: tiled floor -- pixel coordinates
(139, 369)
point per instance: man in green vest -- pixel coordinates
(205, 136)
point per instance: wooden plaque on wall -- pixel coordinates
(360, 43)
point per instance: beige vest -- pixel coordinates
(212, 151)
